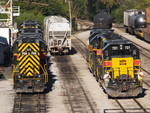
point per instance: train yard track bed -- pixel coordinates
(29, 103)
(140, 104)
(76, 94)
(73, 89)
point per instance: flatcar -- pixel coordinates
(29, 71)
(57, 32)
(109, 53)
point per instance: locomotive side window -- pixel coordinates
(135, 54)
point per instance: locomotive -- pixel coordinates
(109, 53)
(57, 32)
(29, 50)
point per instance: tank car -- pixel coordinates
(29, 71)
(102, 20)
(109, 53)
(57, 34)
(134, 21)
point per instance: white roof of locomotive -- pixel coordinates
(57, 19)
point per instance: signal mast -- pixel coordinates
(7, 12)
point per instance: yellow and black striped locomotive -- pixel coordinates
(29, 61)
(117, 57)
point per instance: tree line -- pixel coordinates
(82, 9)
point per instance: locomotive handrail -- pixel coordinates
(14, 70)
(44, 70)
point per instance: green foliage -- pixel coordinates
(83, 9)
(3, 16)
(38, 12)
(30, 15)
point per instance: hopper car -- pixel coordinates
(57, 32)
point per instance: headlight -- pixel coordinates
(39, 76)
(141, 20)
(19, 76)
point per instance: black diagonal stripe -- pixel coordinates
(35, 58)
(23, 59)
(30, 66)
(38, 60)
(36, 46)
(22, 47)
(26, 69)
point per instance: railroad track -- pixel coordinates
(139, 108)
(80, 46)
(124, 108)
(29, 103)
(77, 96)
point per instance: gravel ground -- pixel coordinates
(6, 93)
(95, 92)
(57, 101)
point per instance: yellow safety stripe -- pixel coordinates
(29, 62)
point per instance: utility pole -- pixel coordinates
(11, 14)
(69, 3)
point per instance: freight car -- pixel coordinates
(147, 29)
(57, 34)
(109, 53)
(102, 20)
(134, 19)
(29, 71)
(136, 22)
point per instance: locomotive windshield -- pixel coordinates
(121, 51)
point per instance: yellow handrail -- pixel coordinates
(14, 70)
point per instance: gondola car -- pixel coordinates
(29, 71)
(108, 52)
